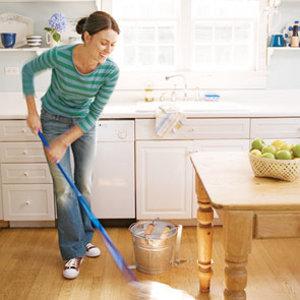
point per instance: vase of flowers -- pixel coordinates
(57, 24)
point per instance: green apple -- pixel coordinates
(286, 147)
(283, 154)
(268, 155)
(256, 152)
(257, 144)
(268, 149)
(278, 144)
(296, 150)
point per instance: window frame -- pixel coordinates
(136, 80)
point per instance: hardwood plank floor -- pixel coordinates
(30, 268)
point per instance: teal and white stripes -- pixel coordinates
(72, 94)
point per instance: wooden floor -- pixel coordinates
(30, 268)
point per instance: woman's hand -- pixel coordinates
(57, 150)
(34, 122)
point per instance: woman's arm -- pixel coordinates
(59, 145)
(33, 119)
(44, 61)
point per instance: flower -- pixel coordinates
(57, 24)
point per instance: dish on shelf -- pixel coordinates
(22, 26)
(34, 41)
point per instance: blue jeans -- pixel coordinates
(74, 228)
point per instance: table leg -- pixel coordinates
(204, 237)
(237, 242)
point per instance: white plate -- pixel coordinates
(21, 25)
(34, 37)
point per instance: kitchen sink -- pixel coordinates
(190, 106)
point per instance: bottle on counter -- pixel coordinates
(148, 93)
(295, 36)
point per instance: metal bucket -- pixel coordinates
(155, 252)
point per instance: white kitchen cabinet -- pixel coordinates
(274, 128)
(27, 190)
(164, 179)
(164, 175)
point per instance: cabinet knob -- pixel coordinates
(24, 130)
(24, 152)
(27, 202)
(26, 174)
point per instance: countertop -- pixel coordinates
(242, 103)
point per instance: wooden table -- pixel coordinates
(225, 182)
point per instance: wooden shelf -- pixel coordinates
(38, 51)
(23, 49)
(33, 1)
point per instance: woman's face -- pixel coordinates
(101, 44)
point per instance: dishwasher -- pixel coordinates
(113, 195)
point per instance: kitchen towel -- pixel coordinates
(168, 119)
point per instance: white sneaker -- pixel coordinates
(71, 269)
(92, 250)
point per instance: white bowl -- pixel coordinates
(34, 44)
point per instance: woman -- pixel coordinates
(83, 79)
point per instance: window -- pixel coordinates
(149, 34)
(205, 39)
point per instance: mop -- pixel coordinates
(147, 290)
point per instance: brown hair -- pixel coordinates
(95, 22)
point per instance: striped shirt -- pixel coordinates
(71, 93)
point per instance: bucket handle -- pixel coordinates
(176, 260)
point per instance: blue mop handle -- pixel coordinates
(83, 202)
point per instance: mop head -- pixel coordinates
(152, 290)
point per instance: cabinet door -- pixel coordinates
(219, 146)
(163, 179)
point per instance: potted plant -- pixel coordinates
(57, 24)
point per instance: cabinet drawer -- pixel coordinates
(13, 152)
(25, 173)
(222, 145)
(197, 129)
(25, 202)
(275, 128)
(277, 224)
(16, 131)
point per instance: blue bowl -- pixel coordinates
(8, 39)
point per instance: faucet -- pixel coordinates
(184, 83)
